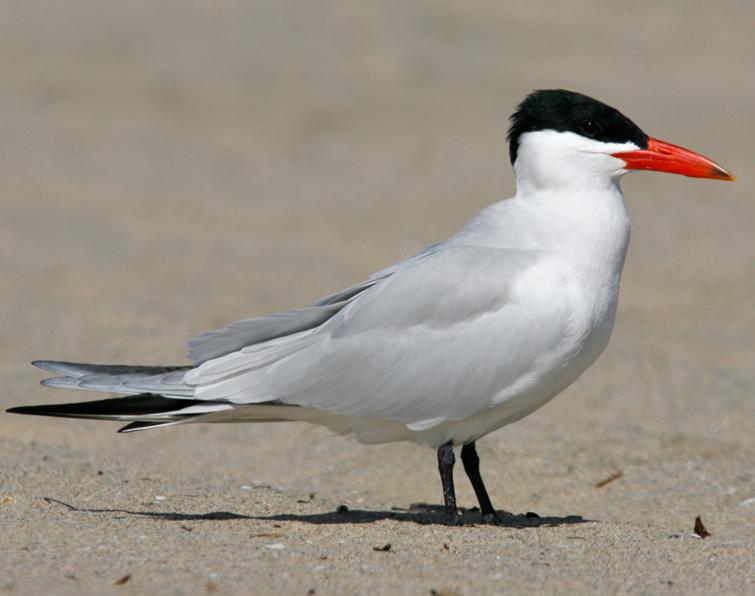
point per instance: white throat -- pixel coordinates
(570, 185)
(565, 161)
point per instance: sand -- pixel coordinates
(168, 168)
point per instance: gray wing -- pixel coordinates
(270, 336)
(416, 347)
(238, 335)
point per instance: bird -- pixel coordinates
(440, 349)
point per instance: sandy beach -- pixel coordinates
(170, 167)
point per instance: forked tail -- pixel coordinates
(157, 395)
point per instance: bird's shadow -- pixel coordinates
(418, 513)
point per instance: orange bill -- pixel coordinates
(661, 156)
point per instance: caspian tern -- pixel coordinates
(467, 336)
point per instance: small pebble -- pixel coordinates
(700, 528)
(122, 580)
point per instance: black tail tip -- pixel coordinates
(34, 410)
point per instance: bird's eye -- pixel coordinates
(590, 128)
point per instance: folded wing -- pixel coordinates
(237, 335)
(414, 347)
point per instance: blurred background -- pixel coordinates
(168, 167)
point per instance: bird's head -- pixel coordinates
(561, 138)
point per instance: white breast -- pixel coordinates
(575, 292)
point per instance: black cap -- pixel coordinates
(567, 111)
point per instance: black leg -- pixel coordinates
(471, 462)
(446, 460)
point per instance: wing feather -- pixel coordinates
(410, 348)
(220, 342)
